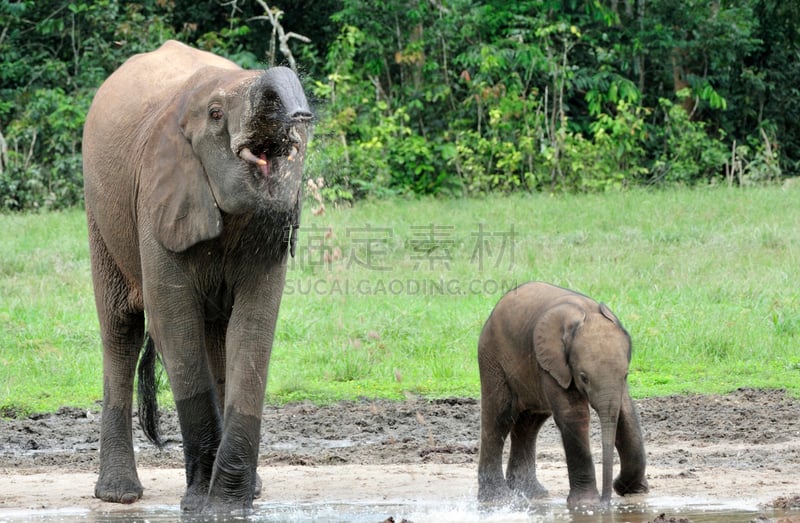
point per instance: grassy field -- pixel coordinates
(388, 298)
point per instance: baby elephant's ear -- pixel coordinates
(182, 206)
(605, 311)
(552, 340)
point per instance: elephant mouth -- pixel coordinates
(260, 161)
(265, 156)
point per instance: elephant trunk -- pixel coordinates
(281, 86)
(608, 425)
(279, 106)
(608, 410)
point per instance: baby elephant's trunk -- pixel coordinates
(608, 425)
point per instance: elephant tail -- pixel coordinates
(147, 393)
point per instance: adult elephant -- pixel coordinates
(548, 351)
(192, 171)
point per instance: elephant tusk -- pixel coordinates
(248, 156)
(292, 154)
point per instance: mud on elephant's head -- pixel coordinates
(231, 141)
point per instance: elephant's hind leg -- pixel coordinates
(496, 421)
(521, 472)
(118, 481)
(122, 331)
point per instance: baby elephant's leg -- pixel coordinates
(496, 420)
(521, 473)
(630, 445)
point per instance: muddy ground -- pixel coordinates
(740, 446)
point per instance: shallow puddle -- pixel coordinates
(695, 510)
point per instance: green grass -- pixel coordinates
(388, 298)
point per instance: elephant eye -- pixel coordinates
(215, 113)
(584, 378)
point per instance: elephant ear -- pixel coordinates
(606, 312)
(552, 340)
(182, 206)
(610, 316)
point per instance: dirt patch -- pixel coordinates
(743, 445)
(785, 503)
(662, 518)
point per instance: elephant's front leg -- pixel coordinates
(630, 445)
(215, 348)
(248, 346)
(177, 327)
(571, 414)
(199, 416)
(201, 432)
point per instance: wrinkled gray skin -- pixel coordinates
(193, 172)
(550, 351)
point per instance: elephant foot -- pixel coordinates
(124, 490)
(513, 501)
(200, 501)
(637, 486)
(584, 500)
(531, 488)
(203, 497)
(500, 497)
(492, 491)
(228, 506)
(194, 498)
(231, 499)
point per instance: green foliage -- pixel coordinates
(54, 56)
(455, 98)
(44, 163)
(540, 96)
(689, 153)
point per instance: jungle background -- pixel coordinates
(441, 97)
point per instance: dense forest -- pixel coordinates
(449, 97)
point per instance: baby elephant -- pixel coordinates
(550, 351)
